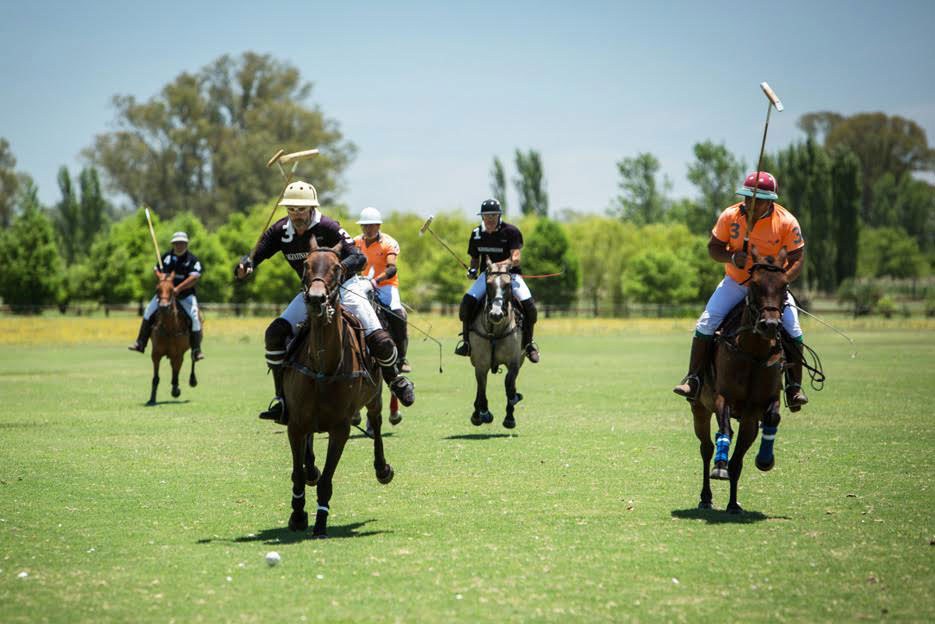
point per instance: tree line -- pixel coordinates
(195, 153)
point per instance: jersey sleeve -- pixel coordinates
(196, 267)
(391, 246)
(166, 262)
(721, 230)
(792, 238)
(472, 244)
(516, 240)
(268, 246)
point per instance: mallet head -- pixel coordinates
(425, 226)
(772, 96)
(303, 155)
(275, 157)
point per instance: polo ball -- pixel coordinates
(273, 558)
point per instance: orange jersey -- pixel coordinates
(376, 253)
(771, 233)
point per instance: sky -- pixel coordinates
(430, 92)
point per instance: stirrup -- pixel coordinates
(532, 352)
(197, 355)
(463, 348)
(271, 413)
(136, 346)
(694, 390)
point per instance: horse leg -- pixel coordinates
(512, 396)
(481, 412)
(702, 417)
(764, 458)
(192, 380)
(748, 428)
(298, 520)
(311, 472)
(176, 360)
(337, 438)
(375, 419)
(722, 439)
(155, 384)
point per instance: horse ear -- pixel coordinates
(782, 256)
(313, 243)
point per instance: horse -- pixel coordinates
(327, 378)
(170, 338)
(496, 339)
(744, 382)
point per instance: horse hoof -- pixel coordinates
(396, 418)
(387, 475)
(476, 420)
(705, 505)
(192, 382)
(509, 422)
(151, 402)
(734, 509)
(355, 419)
(312, 476)
(516, 398)
(176, 391)
(487, 417)
(298, 521)
(720, 474)
(764, 465)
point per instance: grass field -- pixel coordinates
(586, 512)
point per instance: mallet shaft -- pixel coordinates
(152, 234)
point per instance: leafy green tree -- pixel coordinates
(660, 277)
(78, 220)
(905, 203)
(861, 294)
(889, 252)
(642, 199)
(846, 191)
(32, 272)
(498, 182)
(530, 184)
(716, 172)
(9, 183)
(202, 143)
(546, 250)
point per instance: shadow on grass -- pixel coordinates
(282, 535)
(481, 436)
(172, 402)
(355, 436)
(719, 516)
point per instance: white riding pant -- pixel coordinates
(728, 294)
(353, 298)
(389, 296)
(189, 304)
(520, 290)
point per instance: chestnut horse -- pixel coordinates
(170, 338)
(326, 380)
(497, 339)
(745, 380)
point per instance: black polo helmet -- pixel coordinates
(490, 206)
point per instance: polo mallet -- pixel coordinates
(152, 234)
(426, 228)
(773, 101)
(279, 159)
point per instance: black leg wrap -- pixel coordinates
(399, 331)
(530, 316)
(466, 313)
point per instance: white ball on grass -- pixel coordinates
(273, 558)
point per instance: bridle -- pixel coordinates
(327, 307)
(504, 301)
(757, 311)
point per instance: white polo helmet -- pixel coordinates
(300, 193)
(180, 237)
(369, 215)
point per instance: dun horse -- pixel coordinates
(496, 339)
(327, 379)
(170, 338)
(745, 381)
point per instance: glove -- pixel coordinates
(246, 263)
(472, 273)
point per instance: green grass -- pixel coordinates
(122, 512)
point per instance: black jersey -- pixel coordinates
(328, 232)
(495, 245)
(184, 265)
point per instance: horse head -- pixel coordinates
(165, 291)
(321, 279)
(499, 290)
(766, 295)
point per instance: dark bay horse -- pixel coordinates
(745, 381)
(497, 339)
(170, 338)
(327, 379)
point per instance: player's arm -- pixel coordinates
(391, 268)
(718, 251)
(795, 262)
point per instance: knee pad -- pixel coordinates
(277, 334)
(382, 347)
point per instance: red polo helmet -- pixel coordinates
(766, 187)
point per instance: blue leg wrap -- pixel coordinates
(722, 443)
(768, 437)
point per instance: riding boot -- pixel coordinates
(399, 331)
(384, 352)
(146, 328)
(277, 407)
(529, 323)
(466, 314)
(795, 396)
(197, 355)
(691, 384)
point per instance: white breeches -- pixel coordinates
(389, 296)
(189, 304)
(520, 290)
(353, 298)
(728, 294)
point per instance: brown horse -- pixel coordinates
(327, 379)
(170, 338)
(497, 339)
(745, 380)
